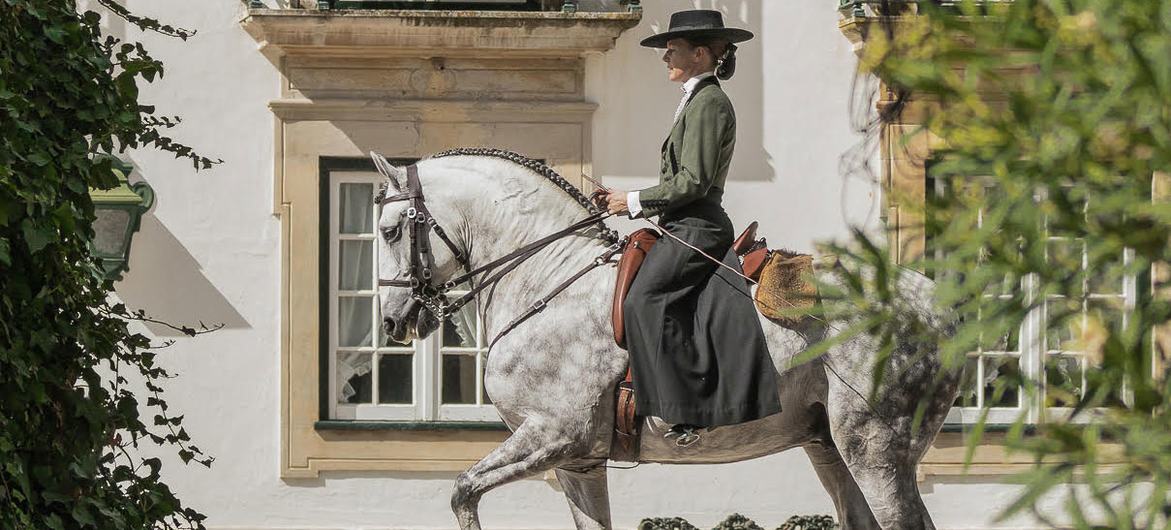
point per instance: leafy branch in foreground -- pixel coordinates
(70, 367)
(1047, 226)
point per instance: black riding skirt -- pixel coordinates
(697, 350)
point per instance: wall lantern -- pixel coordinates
(118, 214)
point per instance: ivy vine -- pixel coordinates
(79, 392)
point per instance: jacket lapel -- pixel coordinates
(703, 83)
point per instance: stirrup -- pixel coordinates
(683, 435)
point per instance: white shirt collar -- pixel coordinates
(689, 85)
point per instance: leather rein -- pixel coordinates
(433, 296)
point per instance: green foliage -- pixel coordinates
(809, 522)
(665, 523)
(69, 417)
(740, 522)
(1056, 117)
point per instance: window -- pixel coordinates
(369, 376)
(1042, 348)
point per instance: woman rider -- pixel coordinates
(698, 353)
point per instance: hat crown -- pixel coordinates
(697, 19)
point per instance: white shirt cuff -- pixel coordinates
(632, 204)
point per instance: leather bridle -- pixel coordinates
(421, 281)
(419, 223)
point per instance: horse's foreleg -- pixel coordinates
(588, 496)
(525, 453)
(853, 512)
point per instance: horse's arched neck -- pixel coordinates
(504, 213)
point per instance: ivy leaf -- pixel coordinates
(36, 237)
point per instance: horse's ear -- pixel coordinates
(393, 174)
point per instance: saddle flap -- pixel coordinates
(753, 263)
(637, 245)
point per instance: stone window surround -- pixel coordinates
(405, 84)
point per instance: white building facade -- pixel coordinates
(316, 423)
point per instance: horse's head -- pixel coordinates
(406, 273)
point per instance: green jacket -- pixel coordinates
(696, 155)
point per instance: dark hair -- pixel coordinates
(722, 50)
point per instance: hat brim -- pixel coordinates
(734, 35)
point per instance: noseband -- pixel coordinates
(433, 296)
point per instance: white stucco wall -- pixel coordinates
(209, 251)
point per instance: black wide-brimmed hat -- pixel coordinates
(696, 23)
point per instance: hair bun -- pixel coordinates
(727, 63)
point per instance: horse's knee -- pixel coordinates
(463, 497)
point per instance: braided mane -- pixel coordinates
(540, 168)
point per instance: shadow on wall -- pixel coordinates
(165, 281)
(746, 89)
(642, 114)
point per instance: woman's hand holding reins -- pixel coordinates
(614, 201)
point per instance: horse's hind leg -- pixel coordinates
(853, 512)
(588, 496)
(527, 452)
(879, 456)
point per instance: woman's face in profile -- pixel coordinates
(683, 61)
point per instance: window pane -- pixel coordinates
(394, 378)
(353, 377)
(484, 399)
(356, 262)
(353, 321)
(1063, 380)
(1066, 321)
(459, 330)
(967, 395)
(110, 226)
(1009, 342)
(1109, 391)
(1106, 280)
(459, 379)
(356, 208)
(1002, 377)
(1066, 253)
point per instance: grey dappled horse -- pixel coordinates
(552, 378)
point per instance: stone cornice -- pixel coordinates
(385, 32)
(434, 111)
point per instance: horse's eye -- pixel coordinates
(391, 233)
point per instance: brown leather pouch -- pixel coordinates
(633, 254)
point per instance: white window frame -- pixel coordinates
(427, 372)
(1032, 343)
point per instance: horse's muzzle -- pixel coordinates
(415, 323)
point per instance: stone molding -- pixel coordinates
(381, 32)
(405, 83)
